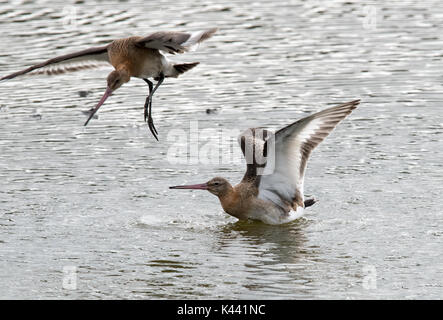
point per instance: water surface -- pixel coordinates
(96, 200)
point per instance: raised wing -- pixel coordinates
(253, 145)
(85, 59)
(289, 152)
(175, 42)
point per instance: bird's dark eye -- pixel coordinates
(216, 183)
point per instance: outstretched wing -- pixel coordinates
(289, 152)
(85, 59)
(175, 42)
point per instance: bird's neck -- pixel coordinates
(233, 202)
(123, 68)
(124, 71)
(227, 198)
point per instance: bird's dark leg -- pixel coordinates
(148, 103)
(150, 85)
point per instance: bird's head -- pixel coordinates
(218, 186)
(115, 80)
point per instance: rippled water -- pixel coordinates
(87, 213)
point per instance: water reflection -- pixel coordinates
(285, 241)
(282, 251)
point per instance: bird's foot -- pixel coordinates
(152, 127)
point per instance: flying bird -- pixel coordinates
(140, 57)
(272, 188)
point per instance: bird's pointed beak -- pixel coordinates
(202, 186)
(108, 92)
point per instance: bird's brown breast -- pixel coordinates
(238, 202)
(124, 53)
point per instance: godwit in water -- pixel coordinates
(272, 188)
(139, 57)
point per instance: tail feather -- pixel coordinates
(310, 202)
(183, 67)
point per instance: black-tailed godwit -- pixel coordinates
(139, 57)
(272, 190)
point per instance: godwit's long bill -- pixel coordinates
(272, 190)
(139, 57)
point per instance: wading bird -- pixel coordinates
(272, 188)
(138, 57)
